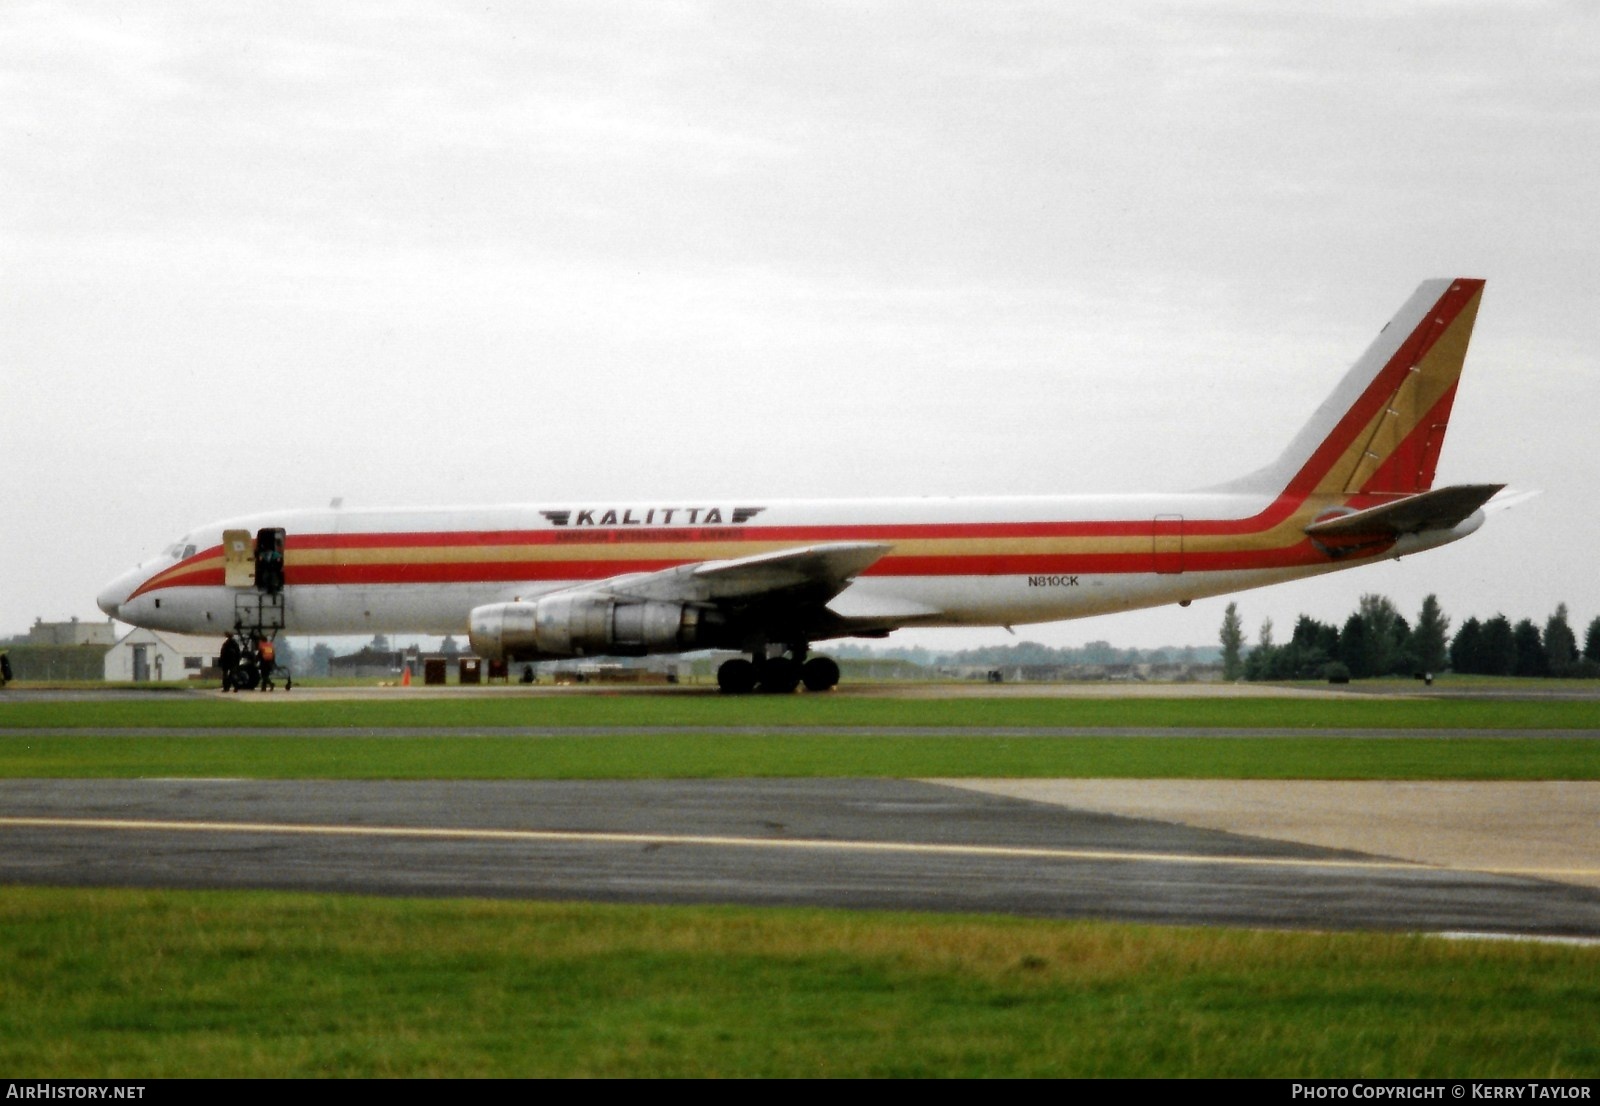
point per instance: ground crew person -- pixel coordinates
(266, 653)
(229, 660)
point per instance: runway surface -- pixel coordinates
(860, 844)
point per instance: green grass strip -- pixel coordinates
(685, 756)
(693, 708)
(134, 985)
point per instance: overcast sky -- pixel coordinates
(258, 256)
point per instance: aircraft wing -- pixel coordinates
(1440, 509)
(809, 573)
(780, 596)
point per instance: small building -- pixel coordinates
(376, 664)
(155, 656)
(72, 633)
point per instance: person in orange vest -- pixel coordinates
(267, 654)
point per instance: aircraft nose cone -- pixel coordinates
(110, 598)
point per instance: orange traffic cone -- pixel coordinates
(405, 677)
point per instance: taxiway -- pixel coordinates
(857, 844)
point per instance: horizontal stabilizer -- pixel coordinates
(1440, 509)
(1510, 498)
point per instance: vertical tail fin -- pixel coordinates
(1380, 432)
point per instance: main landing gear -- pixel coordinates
(779, 675)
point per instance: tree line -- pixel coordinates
(1377, 640)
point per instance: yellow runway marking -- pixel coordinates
(1025, 852)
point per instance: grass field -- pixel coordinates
(695, 709)
(128, 983)
(699, 756)
(465, 746)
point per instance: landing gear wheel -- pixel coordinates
(736, 677)
(820, 674)
(779, 676)
(245, 677)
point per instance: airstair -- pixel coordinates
(254, 566)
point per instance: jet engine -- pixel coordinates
(581, 624)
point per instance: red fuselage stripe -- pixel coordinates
(541, 571)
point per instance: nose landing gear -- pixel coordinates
(249, 662)
(256, 567)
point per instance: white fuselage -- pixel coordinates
(953, 561)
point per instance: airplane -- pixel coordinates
(769, 578)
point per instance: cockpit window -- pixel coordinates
(188, 551)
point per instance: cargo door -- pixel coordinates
(238, 559)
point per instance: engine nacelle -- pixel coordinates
(580, 625)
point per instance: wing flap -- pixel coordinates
(1440, 509)
(858, 604)
(820, 571)
(835, 563)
